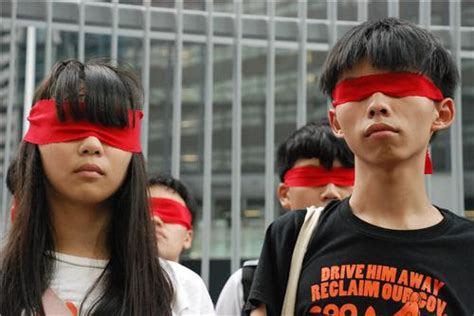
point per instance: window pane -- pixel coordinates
(347, 10)
(440, 12)
(409, 10)
(255, 7)
(65, 45)
(317, 9)
(287, 8)
(377, 9)
(97, 46)
(467, 13)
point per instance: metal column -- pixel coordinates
(177, 82)
(457, 172)
(48, 51)
(114, 37)
(82, 34)
(394, 8)
(11, 100)
(30, 71)
(425, 21)
(270, 118)
(146, 76)
(302, 63)
(236, 136)
(208, 124)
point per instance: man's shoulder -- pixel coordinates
(289, 217)
(460, 224)
(290, 223)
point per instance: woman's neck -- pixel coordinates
(394, 199)
(79, 229)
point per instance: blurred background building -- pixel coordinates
(225, 82)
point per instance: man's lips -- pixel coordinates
(379, 127)
(89, 168)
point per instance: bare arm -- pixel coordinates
(261, 310)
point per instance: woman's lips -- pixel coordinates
(89, 170)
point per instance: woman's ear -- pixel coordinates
(283, 196)
(445, 116)
(336, 128)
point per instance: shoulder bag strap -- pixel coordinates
(306, 231)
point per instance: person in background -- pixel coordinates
(173, 209)
(314, 167)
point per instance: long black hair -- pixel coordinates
(133, 282)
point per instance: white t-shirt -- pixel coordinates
(73, 277)
(231, 298)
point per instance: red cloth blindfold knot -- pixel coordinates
(394, 84)
(171, 212)
(428, 163)
(13, 210)
(46, 128)
(313, 176)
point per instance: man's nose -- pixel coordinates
(378, 105)
(330, 193)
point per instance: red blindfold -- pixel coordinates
(394, 84)
(312, 176)
(46, 128)
(171, 212)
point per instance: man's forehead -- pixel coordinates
(314, 162)
(362, 68)
(164, 192)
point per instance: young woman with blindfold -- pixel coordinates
(82, 241)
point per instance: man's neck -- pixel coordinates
(394, 199)
(79, 229)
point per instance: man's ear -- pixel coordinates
(188, 240)
(446, 111)
(283, 196)
(336, 128)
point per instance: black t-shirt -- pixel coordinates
(354, 268)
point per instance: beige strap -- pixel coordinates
(306, 231)
(53, 305)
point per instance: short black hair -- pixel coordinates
(177, 186)
(314, 140)
(394, 45)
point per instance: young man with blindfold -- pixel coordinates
(314, 167)
(386, 250)
(172, 208)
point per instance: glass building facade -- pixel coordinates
(225, 83)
